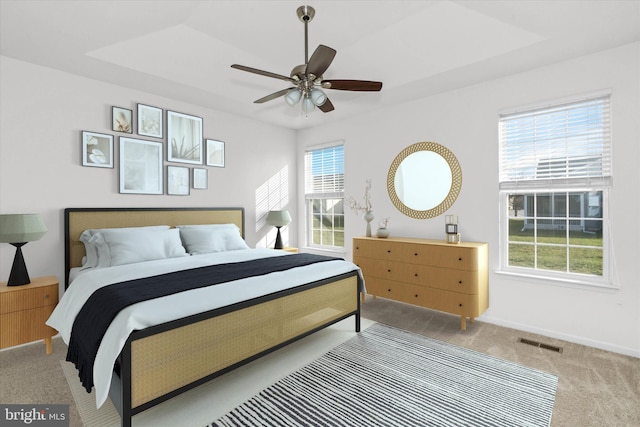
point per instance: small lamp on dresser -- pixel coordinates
(278, 219)
(18, 229)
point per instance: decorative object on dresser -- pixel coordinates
(383, 231)
(278, 219)
(24, 309)
(424, 180)
(18, 230)
(367, 207)
(428, 273)
(451, 228)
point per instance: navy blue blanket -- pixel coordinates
(104, 304)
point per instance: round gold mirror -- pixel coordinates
(424, 180)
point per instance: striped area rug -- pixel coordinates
(389, 377)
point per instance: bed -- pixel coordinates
(159, 361)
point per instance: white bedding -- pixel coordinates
(161, 310)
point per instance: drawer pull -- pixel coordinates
(389, 251)
(388, 290)
(416, 254)
(416, 295)
(389, 271)
(459, 305)
(460, 259)
(46, 296)
(460, 282)
(416, 275)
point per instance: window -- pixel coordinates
(555, 177)
(324, 196)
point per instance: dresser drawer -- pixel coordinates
(438, 299)
(383, 288)
(462, 281)
(28, 298)
(447, 256)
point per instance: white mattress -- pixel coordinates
(161, 310)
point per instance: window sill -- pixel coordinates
(561, 281)
(322, 251)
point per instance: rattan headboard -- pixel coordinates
(76, 220)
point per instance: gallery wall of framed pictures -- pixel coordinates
(141, 161)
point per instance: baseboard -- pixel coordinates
(627, 351)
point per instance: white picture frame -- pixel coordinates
(121, 120)
(200, 178)
(97, 149)
(215, 153)
(184, 138)
(177, 181)
(140, 166)
(150, 121)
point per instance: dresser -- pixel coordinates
(453, 278)
(24, 309)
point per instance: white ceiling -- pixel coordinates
(183, 49)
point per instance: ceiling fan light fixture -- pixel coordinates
(318, 97)
(293, 97)
(307, 105)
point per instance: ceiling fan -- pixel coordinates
(307, 78)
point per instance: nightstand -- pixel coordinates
(24, 309)
(288, 249)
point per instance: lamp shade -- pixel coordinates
(307, 105)
(278, 218)
(293, 97)
(318, 97)
(19, 228)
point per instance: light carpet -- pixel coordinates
(389, 377)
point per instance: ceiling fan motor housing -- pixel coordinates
(306, 13)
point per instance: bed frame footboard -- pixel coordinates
(161, 362)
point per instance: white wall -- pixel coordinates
(466, 122)
(43, 111)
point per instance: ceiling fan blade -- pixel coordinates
(261, 72)
(274, 95)
(356, 85)
(326, 107)
(320, 60)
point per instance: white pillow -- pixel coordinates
(94, 247)
(204, 240)
(141, 245)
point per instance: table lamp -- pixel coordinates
(18, 229)
(278, 219)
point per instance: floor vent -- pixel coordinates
(540, 345)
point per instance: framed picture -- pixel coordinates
(121, 120)
(97, 150)
(140, 166)
(177, 180)
(215, 153)
(184, 138)
(200, 178)
(149, 121)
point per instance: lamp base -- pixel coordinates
(19, 275)
(278, 244)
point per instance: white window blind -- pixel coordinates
(567, 141)
(324, 171)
